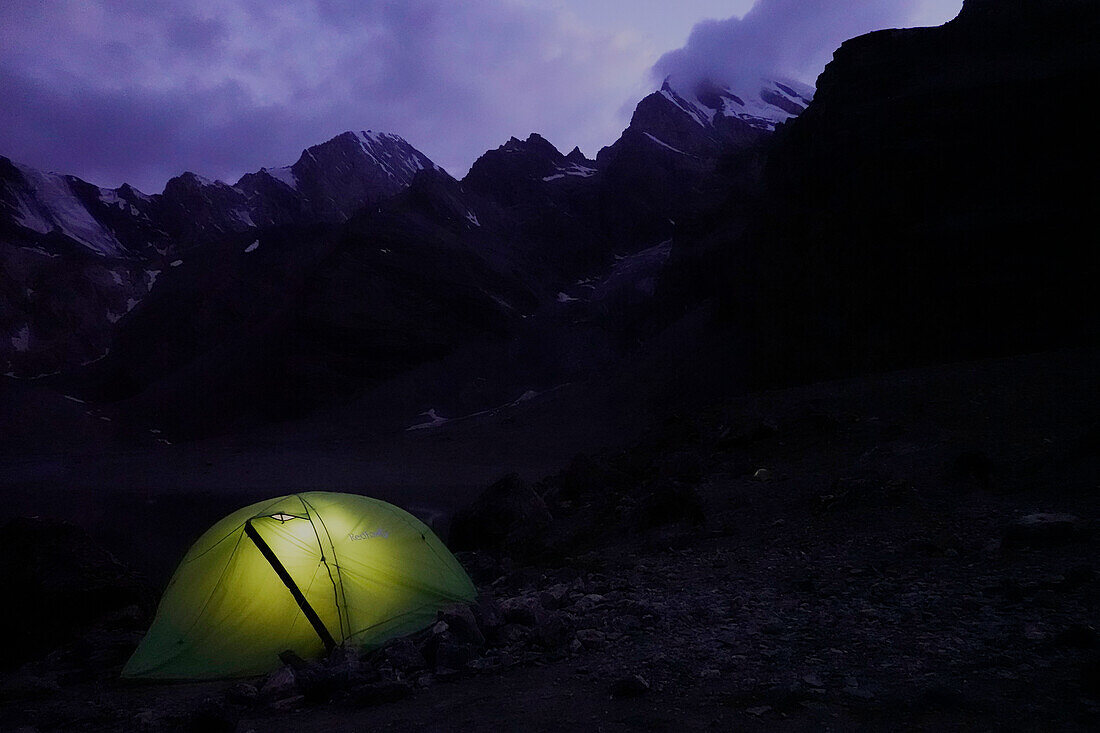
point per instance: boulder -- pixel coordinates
(281, 683)
(462, 623)
(403, 655)
(488, 614)
(451, 654)
(508, 517)
(554, 635)
(511, 635)
(1042, 530)
(242, 693)
(526, 610)
(1078, 636)
(630, 686)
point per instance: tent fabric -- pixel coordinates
(369, 570)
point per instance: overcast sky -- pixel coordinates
(139, 91)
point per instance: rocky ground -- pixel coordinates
(908, 551)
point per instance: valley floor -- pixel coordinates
(861, 564)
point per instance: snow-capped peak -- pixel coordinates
(393, 154)
(763, 103)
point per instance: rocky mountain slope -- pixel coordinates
(778, 235)
(364, 253)
(78, 257)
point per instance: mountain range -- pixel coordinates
(906, 210)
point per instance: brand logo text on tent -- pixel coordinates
(366, 535)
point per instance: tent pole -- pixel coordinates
(284, 576)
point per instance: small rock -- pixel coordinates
(488, 614)
(512, 635)
(1078, 576)
(627, 624)
(526, 610)
(242, 693)
(287, 703)
(279, 684)
(764, 474)
(628, 687)
(291, 659)
(1077, 636)
(129, 617)
(212, 716)
(485, 664)
(446, 674)
(555, 596)
(591, 638)
(453, 655)
(589, 602)
(759, 710)
(554, 634)
(461, 622)
(376, 693)
(859, 693)
(813, 680)
(1042, 530)
(773, 628)
(403, 655)
(25, 684)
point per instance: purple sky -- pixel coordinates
(115, 90)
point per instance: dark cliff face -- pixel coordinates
(930, 204)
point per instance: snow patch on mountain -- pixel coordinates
(763, 103)
(434, 421)
(39, 251)
(393, 154)
(573, 169)
(244, 217)
(56, 206)
(283, 175)
(663, 144)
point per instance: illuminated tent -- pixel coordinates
(303, 572)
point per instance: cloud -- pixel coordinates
(116, 90)
(113, 90)
(791, 38)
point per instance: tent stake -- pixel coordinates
(284, 576)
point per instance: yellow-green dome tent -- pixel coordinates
(302, 572)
